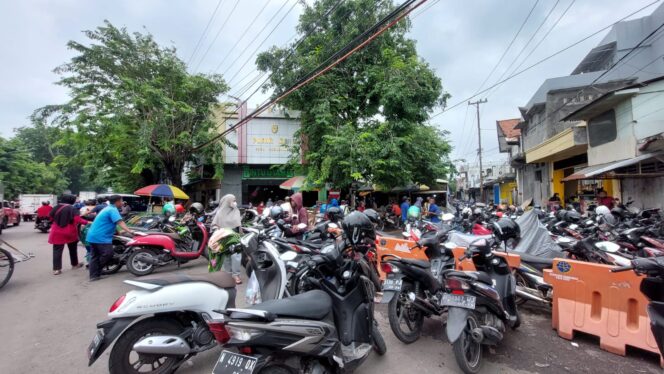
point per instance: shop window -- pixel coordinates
(602, 129)
(538, 175)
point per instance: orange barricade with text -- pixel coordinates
(513, 260)
(397, 247)
(588, 298)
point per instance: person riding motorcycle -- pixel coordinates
(44, 211)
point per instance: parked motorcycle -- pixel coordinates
(152, 249)
(413, 287)
(163, 322)
(481, 304)
(651, 287)
(327, 330)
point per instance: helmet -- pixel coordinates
(373, 215)
(466, 212)
(197, 208)
(358, 227)
(602, 210)
(617, 211)
(276, 213)
(505, 229)
(334, 213)
(477, 211)
(179, 208)
(46, 202)
(572, 216)
(560, 215)
(414, 212)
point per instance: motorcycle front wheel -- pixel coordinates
(124, 360)
(379, 345)
(467, 352)
(405, 319)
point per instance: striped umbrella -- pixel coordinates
(294, 183)
(162, 190)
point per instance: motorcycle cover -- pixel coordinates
(463, 240)
(535, 238)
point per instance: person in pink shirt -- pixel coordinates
(64, 231)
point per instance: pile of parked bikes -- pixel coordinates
(318, 287)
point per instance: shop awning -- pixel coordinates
(596, 171)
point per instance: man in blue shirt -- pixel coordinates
(404, 208)
(100, 236)
(434, 210)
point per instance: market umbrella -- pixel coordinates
(293, 184)
(162, 190)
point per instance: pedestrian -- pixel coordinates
(100, 236)
(260, 208)
(418, 202)
(604, 199)
(66, 219)
(434, 210)
(88, 209)
(100, 205)
(228, 217)
(286, 206)
(269, 203)
(396, 209)
(125, 210)
(169, 207)
(344, 207)
(362, 207)
(79, 204)
(404, 208)
(300, 214)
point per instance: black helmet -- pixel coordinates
(617, 211)
(373, 215)
(276, 213)
(196, 208)
(46, 202)
(335, 214)
(505, 229)
(572, 216)
(561, 214)
(357, 227)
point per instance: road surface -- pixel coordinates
(47, 322)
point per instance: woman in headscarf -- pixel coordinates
(65, 219)
(228, 217)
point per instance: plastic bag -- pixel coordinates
(253, 292)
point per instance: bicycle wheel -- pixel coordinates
(6, 266)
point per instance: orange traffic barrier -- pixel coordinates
(588, 298)
(397, 247)
(513, 260)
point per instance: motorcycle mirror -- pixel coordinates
(171, 219)
(288, 256)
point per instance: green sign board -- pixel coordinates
(265, 173)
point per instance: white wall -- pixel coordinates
(648, 109)
(624, 146)
(646, 192)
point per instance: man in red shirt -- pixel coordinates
(44, 211)
(605, 200)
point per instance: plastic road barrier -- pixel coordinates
(588, 298)
(397, 247)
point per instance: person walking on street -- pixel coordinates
(100, 205)
(66, 219)
(404, 208)
(100, 236)
(228, 217)
(44, 211)
(125, 210)
(434, 211)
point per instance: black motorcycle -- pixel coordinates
(43, 224)
(480, 303)
(325, 330)
(652, 287)
(413, 287)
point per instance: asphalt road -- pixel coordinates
(47, 322)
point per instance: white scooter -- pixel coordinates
(163, 322)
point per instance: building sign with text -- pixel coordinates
(266, 141)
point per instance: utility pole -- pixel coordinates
(479, 143)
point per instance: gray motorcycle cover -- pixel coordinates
(535, 238)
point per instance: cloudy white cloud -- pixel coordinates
(461, 39)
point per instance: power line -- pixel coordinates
(445, 110)
(200, 40)
(509, 45)
(383, 25)
(244, 33)
(223, 25)
(252, 40)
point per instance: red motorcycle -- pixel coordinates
(187, 241)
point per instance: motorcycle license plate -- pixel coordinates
(392, 284)
(461, 301)
(96, 343)
(234, 363)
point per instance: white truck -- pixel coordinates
(87, 195)
(29, 203)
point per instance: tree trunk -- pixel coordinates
(174, 174)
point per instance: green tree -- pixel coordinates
(134, 113)
(20, 173)
(366, 118)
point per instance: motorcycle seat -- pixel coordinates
(314, 305)
(535, 261)
(172, 235)
(479, 276)
(419, 263)
(220, 279)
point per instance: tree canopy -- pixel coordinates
(135, 114)
(366, 118)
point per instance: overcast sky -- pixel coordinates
(461, 39)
